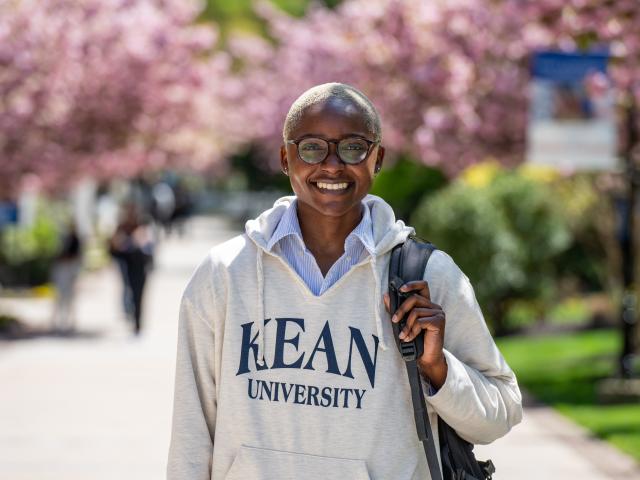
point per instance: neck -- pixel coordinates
(326, 235)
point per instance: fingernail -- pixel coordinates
(401, 336)
(394, 319)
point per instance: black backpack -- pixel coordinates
(408, 262)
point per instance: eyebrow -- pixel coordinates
(346, 135)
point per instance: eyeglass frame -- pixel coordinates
(370, 144)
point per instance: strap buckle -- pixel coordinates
(488, 468)
(410, 351)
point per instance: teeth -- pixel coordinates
(332, 186)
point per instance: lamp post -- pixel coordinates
(629, 299)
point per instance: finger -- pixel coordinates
(413, 326)
(419, 312)
(411, 319)
(406, 306)
(433, 324)
(387, 302)
(409, 304)
(421, 286)
(413, 301)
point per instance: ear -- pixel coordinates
(284, 162)
(379, 159)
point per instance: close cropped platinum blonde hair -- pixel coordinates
(326, 91)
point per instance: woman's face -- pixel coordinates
(331, 120)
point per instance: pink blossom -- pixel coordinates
(450, 78)
(104, 87)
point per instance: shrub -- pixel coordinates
(590, 214)
(26, 253)
(404, 184)
(504, 230)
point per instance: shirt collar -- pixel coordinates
(289, 225)
(363, 232)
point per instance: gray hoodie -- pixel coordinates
(273, 382)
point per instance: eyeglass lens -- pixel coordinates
(350, 150)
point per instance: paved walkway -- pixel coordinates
(97, 405)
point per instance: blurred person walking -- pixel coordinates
(163, 205)
(64, 274)
(132, 247)
(183, 208)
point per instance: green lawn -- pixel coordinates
(563, 371)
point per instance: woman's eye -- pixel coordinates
(311, 146)
(354, 146)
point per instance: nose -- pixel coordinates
(332, 163)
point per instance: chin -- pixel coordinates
(335, 208)
(330, 204)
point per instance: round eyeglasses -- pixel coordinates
(351, 150)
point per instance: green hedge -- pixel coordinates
(26, 253)
(406, 183)
(504, 231)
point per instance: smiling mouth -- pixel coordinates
(332, 187)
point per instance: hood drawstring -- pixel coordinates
(260, 320)
(386, 232)
(260, 301)
(376, 302)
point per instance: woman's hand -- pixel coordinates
(422, 314)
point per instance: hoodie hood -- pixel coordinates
(387, 233)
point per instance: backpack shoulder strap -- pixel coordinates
(415, 256)
(409, 259)
(408, 262)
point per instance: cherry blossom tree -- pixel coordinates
(450, 77)
(105, 87)
(117, 86)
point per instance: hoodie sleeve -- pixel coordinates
(480, 398)
(194, 407)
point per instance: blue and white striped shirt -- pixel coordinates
(287, 242)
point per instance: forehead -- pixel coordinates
(332, 118)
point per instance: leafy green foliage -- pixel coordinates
(563, 371)
(23, 244)
(26, 253)
(406, 183)
(504, 235)
(571, 311)
(590, 216)
(251, 173)
(239, 15)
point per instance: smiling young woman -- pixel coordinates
(286, 366)
(329, 193)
